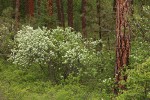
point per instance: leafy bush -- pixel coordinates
(63, 51)
(138, 83)
(6, 32)
(141, 26)
(18, 84)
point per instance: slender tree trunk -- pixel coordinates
(39, 5)
(99, 8)
(114, 5)
(17, 14)
(50, 7)
(70, 13)
(99, 17)
(60, 12)
(31, 8)
(84, 2)
(123, 10)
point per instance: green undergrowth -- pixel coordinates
(18, 84)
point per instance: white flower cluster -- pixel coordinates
(32, 46)
(42, 45)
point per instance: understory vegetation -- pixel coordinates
(45, 62)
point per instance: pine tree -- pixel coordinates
(31, 8)
(50, 7)
(70, 13)
(84, 2)
(123, 10)
(60, 13)
(17, 14)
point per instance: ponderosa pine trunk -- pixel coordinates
(60, 13)
(84, 33)
(70, 13)
(123, 11)
(17, 14)
(31, 8)
(50, 7)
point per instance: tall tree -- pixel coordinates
(31, 8)
(38, 4)
(50, 7)
(17, 14)
(98, 2)
(84, 2)
(114, 5)
(70, 13)
(123, 40)
(60, 12)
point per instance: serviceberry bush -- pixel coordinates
(63, 51)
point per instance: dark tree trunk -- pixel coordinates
(17, 14)
(60, 12)
(39, 5)
(50, 7)
(31, 8)
(123, 10)
(84, 33)
(99, 17)
(70, 13)
(114, 5)
(98, 3)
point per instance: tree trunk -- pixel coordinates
(70, 13)
(84, 33)
(17, 14)
(50, 7)
(60, 12)
(123, 10)
(99, 9)
(31, 8)
(39, 4)
(114, 6)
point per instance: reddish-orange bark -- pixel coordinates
(50, 7)
(31, 8)
(123, 40)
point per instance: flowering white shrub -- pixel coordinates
(62, 47)
(32, 46)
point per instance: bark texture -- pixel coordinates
(123, 10)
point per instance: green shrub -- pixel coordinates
(63, 51)
(138, 83)
(6, 32)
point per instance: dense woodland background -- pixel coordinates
(74, 49)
